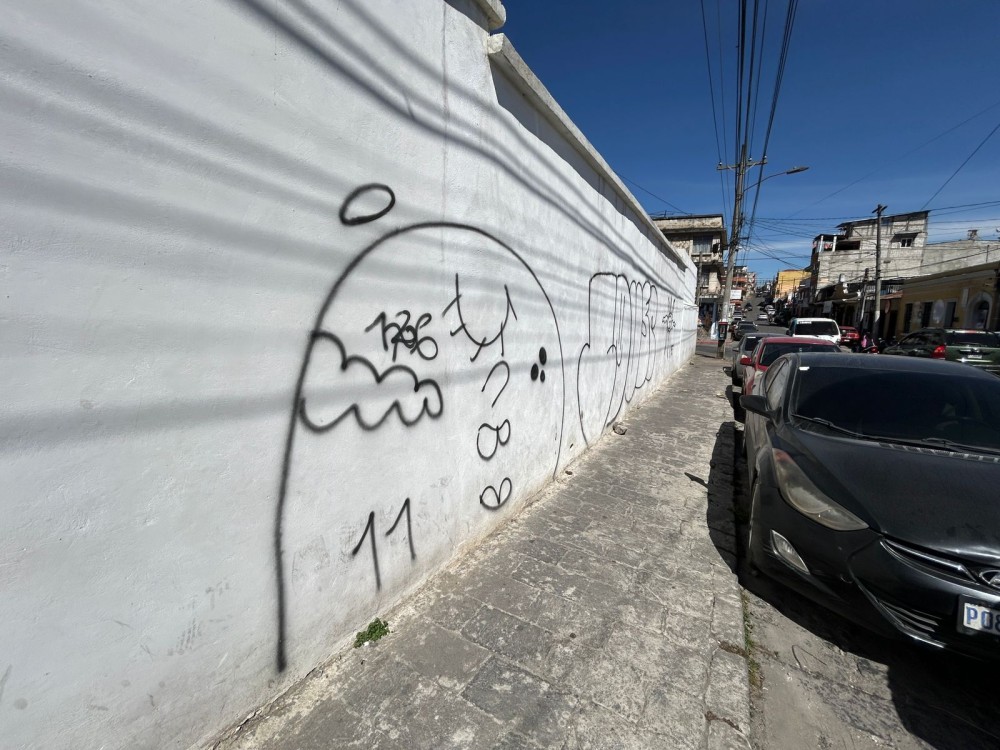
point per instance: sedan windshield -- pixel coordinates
(926, 408)
(816, 328)
(772, 351)
(985, 339)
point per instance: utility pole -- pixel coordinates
(737, 227)
(878, 269)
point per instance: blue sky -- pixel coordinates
(882, 99)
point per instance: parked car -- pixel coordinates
(849, 336)
(745, 348)
(763, 317)
(873, 492)
(824, 328)
(742, 328)
(768, 351)
(971, 347)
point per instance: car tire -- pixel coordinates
(739, 413)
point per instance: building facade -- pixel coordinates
(957, 298)
(850, 254)
(702, 237)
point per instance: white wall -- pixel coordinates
(187, 468)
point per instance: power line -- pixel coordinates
(938, 210)
(711, 82)
(959, 169)
(715, 118)
(664, 200)
(900, 158)
(779, 76)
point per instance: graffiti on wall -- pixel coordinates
(624, 326)
(430, 351)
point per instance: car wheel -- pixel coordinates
(739, 413)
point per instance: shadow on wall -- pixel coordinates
(378, 387)
(336, 50)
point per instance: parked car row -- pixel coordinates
(873, 479)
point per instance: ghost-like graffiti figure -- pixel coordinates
(420, 383)
(624, 322)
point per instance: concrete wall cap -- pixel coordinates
(502, 53)
(496, 14)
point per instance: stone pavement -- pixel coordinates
(604, 615)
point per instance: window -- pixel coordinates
(986, 339)
(816, 328)
(925, 314)
(907, 317)
(949, 315)
(911, 405)
(775, 385)
(981, 314)
(702, 244)
(904, 239)
(770, 352)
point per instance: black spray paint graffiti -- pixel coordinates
(497, 366)
(368, 408)
(425, 400)
(480, 342)
(369, 533)
(490, 439)
(620, 354)
(406, 335)
(493, 498)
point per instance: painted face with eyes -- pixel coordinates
(432, 397)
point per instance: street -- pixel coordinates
(819, 681)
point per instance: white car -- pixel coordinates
(819, 328)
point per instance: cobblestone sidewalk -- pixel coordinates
(605, 615)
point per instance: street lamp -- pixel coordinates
(793, 170)
(737, 225)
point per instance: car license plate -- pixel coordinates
(974, 617)
(974, 356)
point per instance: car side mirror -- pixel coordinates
(745, 359)
(755, 405)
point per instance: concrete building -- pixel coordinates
(843, 267)
(787, 282)
(845, 256)
(957, 254)
(703, 238)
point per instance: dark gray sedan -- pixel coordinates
(874, 492)
(743, 328)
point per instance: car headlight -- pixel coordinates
(805, 497)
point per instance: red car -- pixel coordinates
(765, 353)
(849, 336)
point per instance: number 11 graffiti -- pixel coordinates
(369, 533)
